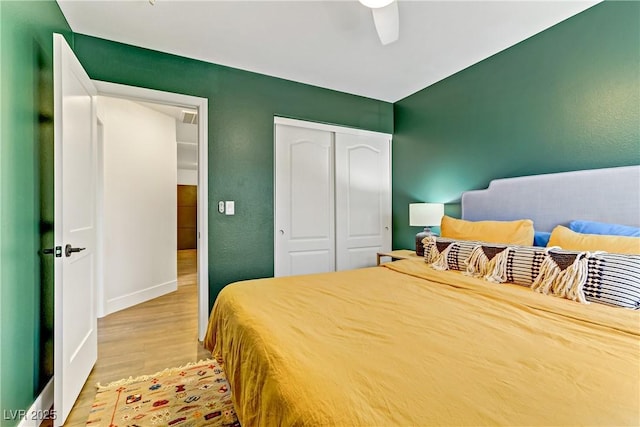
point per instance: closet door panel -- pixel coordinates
(304, 201)
(363, 199)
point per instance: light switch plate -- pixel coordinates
(221, 206)
(230, 207)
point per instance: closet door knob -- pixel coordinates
(282, 232)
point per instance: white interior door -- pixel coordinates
(304, 201)
(363, 199)
(75, 326)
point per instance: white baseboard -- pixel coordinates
(41, 407)
(129, 300)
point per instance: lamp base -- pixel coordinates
(419, 237)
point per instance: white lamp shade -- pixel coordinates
(425, 214)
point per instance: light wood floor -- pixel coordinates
(141, 340)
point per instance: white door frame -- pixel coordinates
(201, 104)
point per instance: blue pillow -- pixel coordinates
(541, 238)
(593, 227)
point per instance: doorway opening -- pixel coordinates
(191, 170)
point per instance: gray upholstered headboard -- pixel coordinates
(607, 195)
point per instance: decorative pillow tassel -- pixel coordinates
(498, 274)
(477, 262)
(575, 277)
(430, 249)
(441, 261)
(563, 275)
(483, 260)
(549, 270)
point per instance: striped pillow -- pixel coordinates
(613, 279)
(448, 254)
(470, 256)
(601, 277)
(521, 265)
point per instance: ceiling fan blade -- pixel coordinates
(387, 22)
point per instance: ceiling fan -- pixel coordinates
(386, 18)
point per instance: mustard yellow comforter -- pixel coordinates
(405, 345)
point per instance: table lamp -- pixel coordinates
(424, 215)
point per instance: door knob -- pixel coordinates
(282, 232)
(68, 250)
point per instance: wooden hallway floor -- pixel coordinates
(147, 338)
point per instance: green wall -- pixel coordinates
(565, 99)
(26, 168)
(241, 110)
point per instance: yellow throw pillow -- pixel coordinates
(572, 241)
(510, 232)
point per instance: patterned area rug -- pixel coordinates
(194, 395)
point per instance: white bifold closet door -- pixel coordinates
(332, 198)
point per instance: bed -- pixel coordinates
(406, 344)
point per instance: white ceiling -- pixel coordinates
(332, 44)
(169, 110)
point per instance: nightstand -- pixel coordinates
(399, 254)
